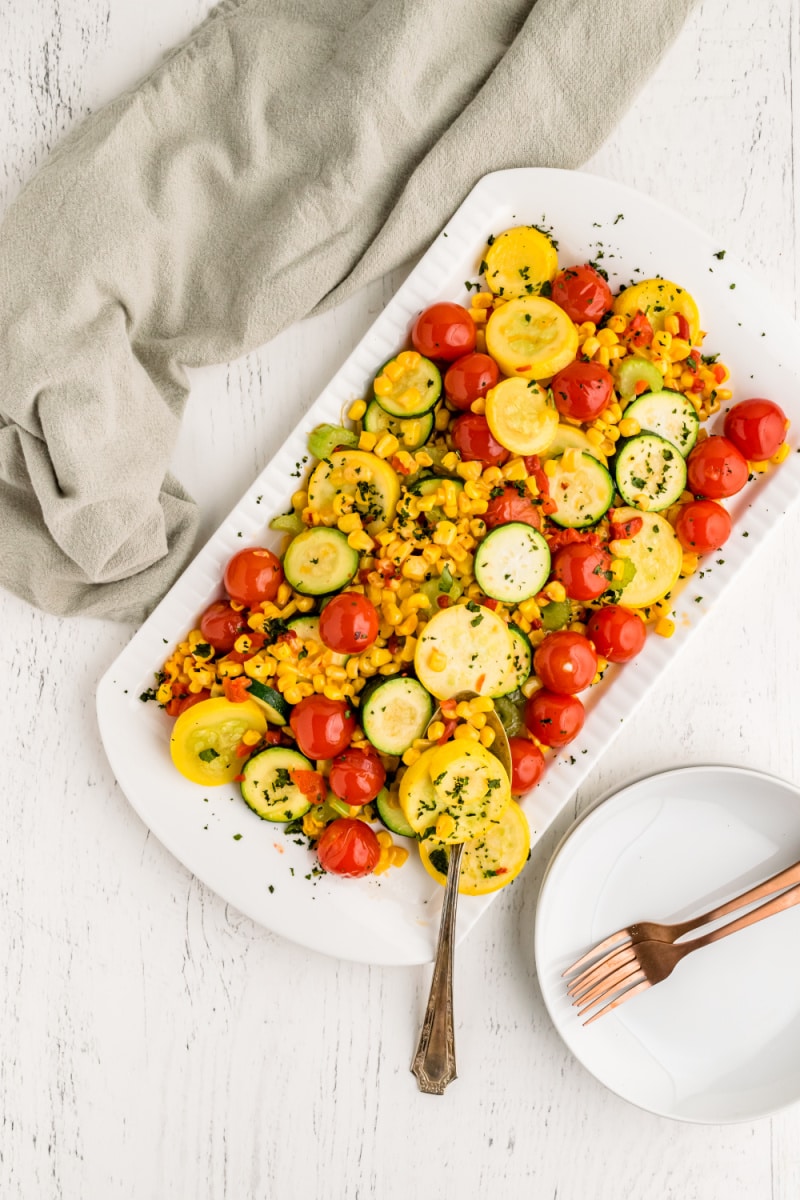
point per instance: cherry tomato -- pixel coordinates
(618, 634)
(565, 662)
(184, 700)
(253, 575)
(474, 440)
(221, 625)
(756, 428)
(444, 331)
(348, 847)
(582, 390)
(583, 569)
(469, 378)
(553, 718)
(715, 468)
(357, 776)
(582, 293)
(527, 764)
(349, 623)
(702, 526)
(323, 727)
(510, 506)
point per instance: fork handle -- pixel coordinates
(435, 1060)
(784, 879)
(777, 904)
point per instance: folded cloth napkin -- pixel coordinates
(287, 154)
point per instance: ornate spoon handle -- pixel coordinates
(435, 1060)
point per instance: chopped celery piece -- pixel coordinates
(556, 614)
(433, 589)
(323, 440)
(446, 580)
(288, 523)
(635, 370)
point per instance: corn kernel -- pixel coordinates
(349, 523)
(382, 385)
(515, 470)
(367, 440)
(410, 757)
(469, 470)
(466, 733)
(415, 568)
(665, 627)
(587, 329)
(441, 420)
(607, 337)
(556, 591)
(590, 347)
(629, 427)
(409, 360)
(360, 540)
(672, 324)
(616, 323)
(602, 356)
(386, 445)
(445, 533)
(663, 339)
(332, 692)
(594, 436)
(398, 855)
(357, 409)
(394, 371)
(781, 454)
(478, 315)
(486, 737)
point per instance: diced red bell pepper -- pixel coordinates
(639, 331)
(311, 784)
(683, 327)
(236, 689)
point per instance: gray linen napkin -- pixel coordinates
(287, 154)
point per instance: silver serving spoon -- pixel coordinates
(434, 1063)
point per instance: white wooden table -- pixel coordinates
(155, 1043)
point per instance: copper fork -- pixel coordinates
(652, 931)
(648, 963)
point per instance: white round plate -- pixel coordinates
(719, 1041)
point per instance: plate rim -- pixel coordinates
(607, 796)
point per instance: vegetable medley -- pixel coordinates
(507, 513)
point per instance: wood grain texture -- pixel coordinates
(154, 1042)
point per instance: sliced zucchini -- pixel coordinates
(268, 787)
(531, 338)
(391, 813)
(511, 711)
(656, 555)
(519, 261)
(581, 488)
(512, 562)
(475, 647)
(634, 370)
(319, 561)
(569, 437)
(307, 629)
(371, 482)
(276, 710)
(396, 711)
(489, 862)
(669, 414)
(411, 432)
(428, 485)
(650, 472)
(521, 415)
(408, 386)
(520, 666)
(659, 299)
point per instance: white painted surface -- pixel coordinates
(154, 1043)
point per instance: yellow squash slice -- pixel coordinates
(205, 738)
(655, 553)
(459, 790)
(531, 338)
(463, 648)
(519, 261)
(521, 416)
(490, 861)
(373, 485)
(659, 299)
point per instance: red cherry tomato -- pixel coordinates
(348, 847)
(357, 776)
(582, 390)
(715, 468)
(702, 526)
(469, 378)
(756, 428)
(510, 506)
(553, 718)
(221, 625)
(444, 331)
(527, 764)
(253, 575)
(565, 662)
(323, 727)
(349, 623)
(583, 569)
(582, 293)
(474, 440)
(618, 634)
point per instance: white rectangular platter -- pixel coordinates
(393, 919)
